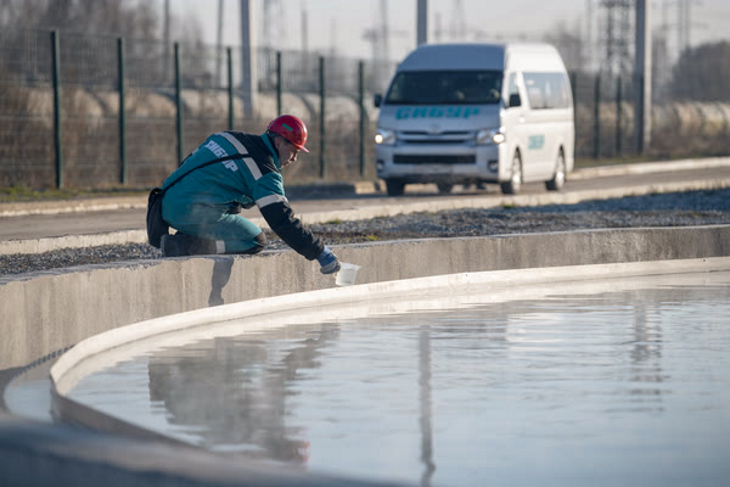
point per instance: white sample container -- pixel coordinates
(347, 274)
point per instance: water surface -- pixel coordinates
(620, 382)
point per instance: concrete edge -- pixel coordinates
(40, 455)
(41, 245)
(55, 207)
(112, 203)
(650, 167)
(341, 188)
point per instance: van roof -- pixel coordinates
(471, 56)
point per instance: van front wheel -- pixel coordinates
(515, 183)
(558, 180)
(445, 188)
(395, 187)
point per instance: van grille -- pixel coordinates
(435, 159)
(434, 141)
(448, 137)
(422, 133)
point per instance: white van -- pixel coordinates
(476, 113)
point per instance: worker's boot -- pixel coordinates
(204, 246)
(181, 244)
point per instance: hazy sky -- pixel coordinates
(343, 23)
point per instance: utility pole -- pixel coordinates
(379, 36)
(273, 15)
(616, 36)
(642, 76)
(685, 24)
(437, 30)
(219, 47)
(422, 22)
(305, 39)
(683, 14)
(457, 29)
(385, 32)
(333, 37)
(248, 57)
(266, 42)
(661, 59)
(589, 34)
(166, 40)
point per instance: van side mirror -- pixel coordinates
(377, 100)
(514, 100)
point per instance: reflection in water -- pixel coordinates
(615, 385)
(233, 393)
(424, 382)
(646, 357)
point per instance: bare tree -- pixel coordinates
(117, 18)
(703, 73)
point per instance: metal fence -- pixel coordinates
(65, 127)
(61, 122)
(604, 121)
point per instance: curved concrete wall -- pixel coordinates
(45, 313)
(52, 311)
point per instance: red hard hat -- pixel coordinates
(291, 128)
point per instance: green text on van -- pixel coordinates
(536, 142)
(436, 112)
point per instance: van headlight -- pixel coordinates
(490, 136)
(385, 137)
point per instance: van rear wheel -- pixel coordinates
(558, 180)
(395, 187)
(515, 183)
(445, 188)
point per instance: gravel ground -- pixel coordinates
(676, 209)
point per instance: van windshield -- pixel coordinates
(445, 88)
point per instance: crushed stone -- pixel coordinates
(664, 210)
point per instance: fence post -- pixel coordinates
(230, 88)
(361, 99)
(178, 104)
(574, 93)
(619, 133)
(56, 74)
(597, 117)
(278, 83)
(640, 125)
(573, 86)
(122, 114)
(322, 145)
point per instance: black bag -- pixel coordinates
(156, 226)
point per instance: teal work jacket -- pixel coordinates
(253, 177)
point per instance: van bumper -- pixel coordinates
(434, 164)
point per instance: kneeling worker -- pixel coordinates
(231, 170)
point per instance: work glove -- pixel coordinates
(328, 262)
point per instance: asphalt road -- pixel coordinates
(94, 222)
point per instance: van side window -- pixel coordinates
(547, 90)
(513, 90)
